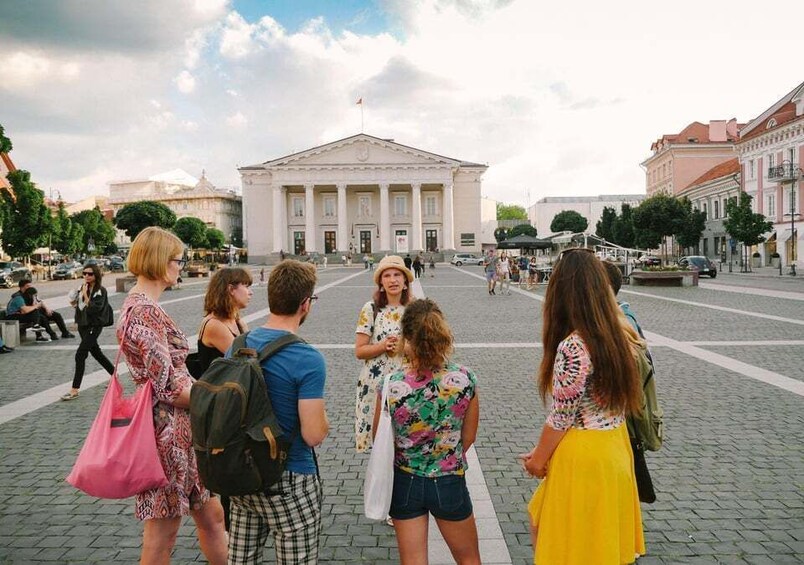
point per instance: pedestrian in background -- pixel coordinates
(376, 337)
(432, 265)
(90, 301)
(434, 410)
(586, 509)
(504, 274)
(490, 268)
(156, 349)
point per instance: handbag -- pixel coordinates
(643, 480)
(378, 486)
(107, 315)
(119, 457)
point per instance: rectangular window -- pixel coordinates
(717, 209)
(467, 239)
(400, 205)
(298, 207)
(430, 206)
(751, 172)
(329, 206)
(706, 247)
(329, 242)
(364, 206)
(704, 211)
(770, 207)
(771, 161)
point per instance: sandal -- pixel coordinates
(70, 396)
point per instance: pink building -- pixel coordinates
(679, 159)
(771, 152)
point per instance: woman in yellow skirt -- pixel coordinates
(586, 509)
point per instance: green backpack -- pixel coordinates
(647, 427)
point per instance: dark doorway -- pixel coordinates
(365, 241)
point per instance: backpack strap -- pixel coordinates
(276, 345)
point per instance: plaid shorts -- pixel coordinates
(293, 518)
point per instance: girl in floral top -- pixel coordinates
(156, 350)
(586, 510)
(376, 336)
(435, 410)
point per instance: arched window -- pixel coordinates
(771, 123)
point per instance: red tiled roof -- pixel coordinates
(785, 114)
(725, 169)
(696, 131)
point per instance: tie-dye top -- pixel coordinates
(573, 405)
(427, 410)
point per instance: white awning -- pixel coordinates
(785, 235)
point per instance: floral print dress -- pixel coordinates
(427, 411)
(155, 350)
(388, 322)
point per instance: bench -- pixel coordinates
(664, 278)
(23, 327)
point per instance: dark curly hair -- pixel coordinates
(428, 334)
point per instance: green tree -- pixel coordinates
(622, 232)
(5, 143)
(191, 231)
(25, 218)
(215, 238)
(690, 226)
(67, 236)
(743, 224)
(656, 218)
(501, 234)
(511, 212)
(96, 228)
(568, 220)
(133, 218)
(522, 229)
(605, 226)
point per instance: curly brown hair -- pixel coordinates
(218, 301)
(427, 333)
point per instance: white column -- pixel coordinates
(416, 217)
(343, 235)
(448, 219)
(385, 219)
(309, 219)
(280, 218)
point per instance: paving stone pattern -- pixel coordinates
(729, 477)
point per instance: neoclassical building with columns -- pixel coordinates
(361, 194)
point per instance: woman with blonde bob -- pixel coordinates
(155, 350)
(434, 411)
(586, 509)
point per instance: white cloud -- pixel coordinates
(237, 121)
(185, 82)
(236, 41)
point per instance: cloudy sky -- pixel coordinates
(559, 98)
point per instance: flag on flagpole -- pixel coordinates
(359, 101)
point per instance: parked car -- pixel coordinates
(102, 263)
(650, 261)
(12, 272)
(197, 269)
(69, 270)
(703, 264)
(469, 258)
(116, 264)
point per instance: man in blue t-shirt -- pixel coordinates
(295, 377)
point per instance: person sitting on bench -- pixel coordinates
(51, 316)
(33, 313)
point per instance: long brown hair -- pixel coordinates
(579, 299)
(218, 301)
(98, 278)
(428, 334)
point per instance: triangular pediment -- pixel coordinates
(361, 150)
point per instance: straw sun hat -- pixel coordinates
(392, 262)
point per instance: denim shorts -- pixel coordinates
(446, 498)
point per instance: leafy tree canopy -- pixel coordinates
(5, 143)
(96, 228)
(568, 220)
(605, 226)
(522, 229)
(690, 226)
(135, 217)
(25, 218)
(743, 224)
(501, 234)
(622, 232)
(191, 231)
(511, 212)
(215, 238)
(67, 235)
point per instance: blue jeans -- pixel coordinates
(445, 497)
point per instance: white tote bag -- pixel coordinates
(379, 484)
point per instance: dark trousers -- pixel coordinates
(32, 317)
(89, 344)
(57, 319)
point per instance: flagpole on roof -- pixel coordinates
(360, 103)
